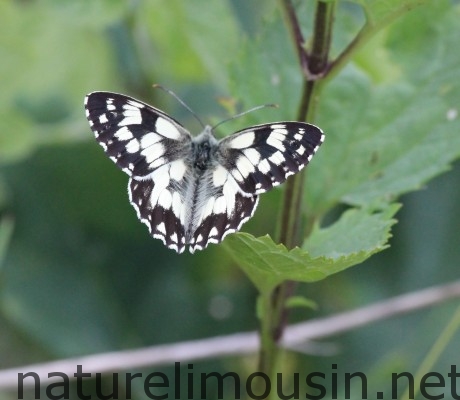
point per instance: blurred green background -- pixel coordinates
(80, 275)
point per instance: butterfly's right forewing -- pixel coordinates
(264, 156)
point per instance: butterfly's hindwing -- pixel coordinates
(264, 156)
(154, 210)
(136, 136)
(219, 208)
(216, 226)
(190, 208)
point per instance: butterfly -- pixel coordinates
(192, 191)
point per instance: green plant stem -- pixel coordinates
(324, 19)
(291, 232)
(317, 71)
(296, 33)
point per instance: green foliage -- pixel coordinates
(379, 11)
(79, 274)
(357, 232)
(405, 131)
(381, 140)
(187, 26)
(47, 69)
(351, 240)
(300, 302)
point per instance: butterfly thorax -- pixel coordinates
(203, 149)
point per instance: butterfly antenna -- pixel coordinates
(245, 112)
(170, 92)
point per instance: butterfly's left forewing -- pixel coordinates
(137, 137)
(264, 156)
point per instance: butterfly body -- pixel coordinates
(192, 191)
(203, 149)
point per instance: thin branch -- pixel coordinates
(392, 307)
(235, 344)
(324, 19)
(275, 314)
(296, 32)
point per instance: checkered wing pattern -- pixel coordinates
(137, 137)
(264, 156)
(195, 191)
(220, 210)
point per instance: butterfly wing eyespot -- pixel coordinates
(193, 198)
(264, 156)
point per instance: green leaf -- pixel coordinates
(358, 231)
(377, 11)
(300, 301)
(382, 140)
(389, 139)
(376, 62)
(186, 51)
(355, 237)
(260, 76)
(49, 67)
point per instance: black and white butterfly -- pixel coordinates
(192, 191)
